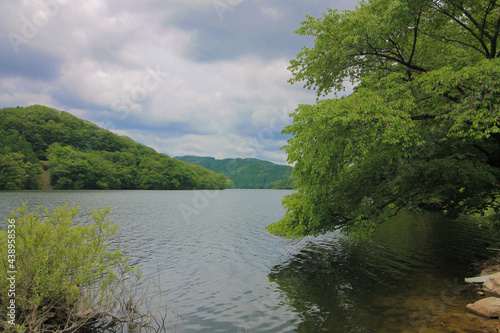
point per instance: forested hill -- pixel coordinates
(80, 155)
(248, 172)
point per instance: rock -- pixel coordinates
(492, 286)
(486, 307)
(478, 279)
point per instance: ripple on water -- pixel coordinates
(219, 270)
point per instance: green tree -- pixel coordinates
(83, 156)
(70, 169)
(245, 173)
(18, 174)
(419, 132)
(285, 183)
(68, 277)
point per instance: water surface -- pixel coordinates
(219, 270)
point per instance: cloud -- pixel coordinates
(219, 146)
(272, 13)
(31, 64)
(204, 77)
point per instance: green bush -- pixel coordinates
(67, 277)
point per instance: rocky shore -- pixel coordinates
(488, 284)
(453, 311)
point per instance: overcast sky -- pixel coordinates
(198, 77)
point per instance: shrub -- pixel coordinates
(67, 278)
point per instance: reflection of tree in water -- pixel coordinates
(324, 283)
(339, 285)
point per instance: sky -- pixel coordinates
(199, 77)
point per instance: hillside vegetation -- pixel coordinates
(81, 155)
(420, 132)
(248, 172)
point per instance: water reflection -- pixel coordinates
(386, 284)
(221, 271)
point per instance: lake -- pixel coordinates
(218, 270)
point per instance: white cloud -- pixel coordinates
(273, 13)
(219, 146)
(19, 91)
(23, 99)
(106, 50)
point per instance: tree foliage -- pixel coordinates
(247, 172)
(68, 278)
(82, 155)
(19, 165)
(421, 129)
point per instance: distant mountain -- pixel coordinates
(248, 172)
(40, 145)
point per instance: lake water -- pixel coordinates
(218, 270)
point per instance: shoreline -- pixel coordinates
(457, 318)
(448, 313)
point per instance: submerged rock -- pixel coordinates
(486, 307)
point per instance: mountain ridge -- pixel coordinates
(80, 155)
(247, 172)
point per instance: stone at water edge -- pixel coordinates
(492, 286)
(478, 279)
(486, 307)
